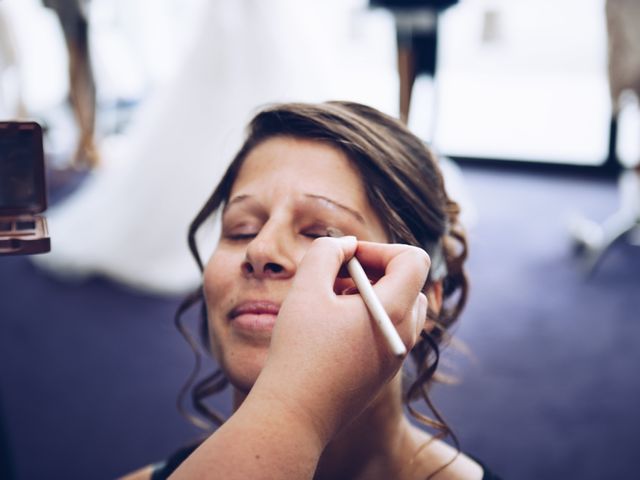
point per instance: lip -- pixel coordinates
(254, 315)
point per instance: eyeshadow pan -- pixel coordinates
(23, 193)
(25, 225)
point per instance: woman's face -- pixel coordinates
(287, 193)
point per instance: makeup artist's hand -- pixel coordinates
(326, 362)
(327, 358)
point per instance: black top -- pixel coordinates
(434, 4)
(162, 470)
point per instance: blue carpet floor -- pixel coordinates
(89, 372)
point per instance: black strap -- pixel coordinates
(161, 471)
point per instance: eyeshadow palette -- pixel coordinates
(22, 190)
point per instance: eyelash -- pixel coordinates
(238, 237)
(241, 236)
(313, 236)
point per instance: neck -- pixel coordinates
(373, 445)
(379, 443)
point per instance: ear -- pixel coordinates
(434, 299)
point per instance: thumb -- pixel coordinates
(322, 261)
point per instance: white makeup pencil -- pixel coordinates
(372, 301)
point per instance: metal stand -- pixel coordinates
(592, 239)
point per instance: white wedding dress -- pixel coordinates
(129, 219)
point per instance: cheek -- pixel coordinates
(218, 284)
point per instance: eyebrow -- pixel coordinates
(351, 211)
(236, 199)
(344, 208)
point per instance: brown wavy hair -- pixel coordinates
(404, 185)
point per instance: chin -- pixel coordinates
(243, 366)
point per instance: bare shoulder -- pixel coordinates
(458, 465)
(141, 474)
(462, 468)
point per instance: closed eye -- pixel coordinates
(315, 232)
(315, 235)
(241, 236)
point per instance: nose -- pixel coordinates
(270, 254)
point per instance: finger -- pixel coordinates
(323, 261)
(406, 269)
(415, 320)
(421, 315)
(376, 256)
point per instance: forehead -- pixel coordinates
(299, 164)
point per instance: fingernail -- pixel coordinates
(422, 307)
(349, 241)
(425, 307)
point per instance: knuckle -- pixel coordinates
(423, 257)
(420, 258)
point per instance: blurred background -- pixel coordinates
(533, 106)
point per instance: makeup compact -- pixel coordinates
(22, 190)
